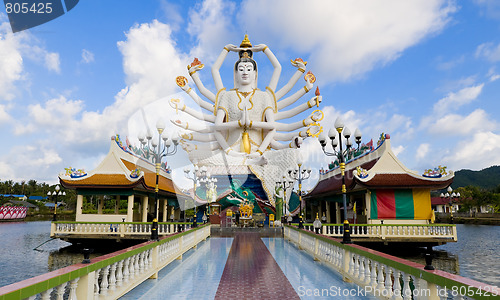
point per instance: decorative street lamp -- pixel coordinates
(211, 187)
(157, 151)
(300, 174)
(341, 154)
(54, 195)
(450, 195)
(195, 177)
(284, 184)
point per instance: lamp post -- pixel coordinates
(211, 187)
(300, 174)
(157, 151)
(193, 175)
(340, 154)
(284, 184)
(54, 195)
(450, 195)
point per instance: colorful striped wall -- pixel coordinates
(409, 204)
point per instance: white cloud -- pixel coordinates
(422, 151)
(454, 100)
(480, 151)
(52, 62)
(11, 60)
(490, 8)
(489, 51)
(398, 150)
(453, 124)
(210, 24)
(87, 56)
(345, 39)
(4, 116)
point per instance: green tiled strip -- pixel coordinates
(422, 274)
(58, 280)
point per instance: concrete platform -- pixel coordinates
(233, 231)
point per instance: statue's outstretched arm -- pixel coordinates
(301, 68)
(197, 99)
(193, 68)
(194, 136)
(274, 61)
(293, 98)
(178, 104)
(295, 143)
(218, 63)
(190, 126)
(314, 117)
(316, 100)
(188, 147)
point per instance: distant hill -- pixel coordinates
(488, 178)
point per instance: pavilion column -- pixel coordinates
(117, 204)
(368, 207)
(79, 206)
(177, 214)
(165, 210)
(130, 208)
(145, 209)
(100, 205)
(328, 211)
(337, 214)
(320, 210)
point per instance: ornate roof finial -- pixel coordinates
(246, 42)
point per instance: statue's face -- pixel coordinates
(245, 73)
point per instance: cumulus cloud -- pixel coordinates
(455, 100)
(346, 39)
(11, 60)
(87, 56)
(456, 125)
(480, 151)
(422, 151)
(211, 26)
(4, 116)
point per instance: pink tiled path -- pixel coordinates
(252, 273)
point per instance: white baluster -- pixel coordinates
(119, 274)
(361, 272)
(73, 285)
(356, 265)
(418, 289)
(105, 281)
(136, 265)
(60, 289)
(126, 270)
(367, 271)
(388, 281)
(96, 284)
(131, 268)
(380, 278)
(373, 282)
(46, 294)
(351, 263)
(406, 293)
(112, 277)
(397, 285)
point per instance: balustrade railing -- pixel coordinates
(386, 276)
(121, 229)
(391, 231)
(109, 276)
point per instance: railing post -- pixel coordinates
(85, 288)
(155, 262)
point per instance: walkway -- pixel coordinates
(246, 267)
(252, 273)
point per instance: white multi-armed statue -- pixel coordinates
(241, 134)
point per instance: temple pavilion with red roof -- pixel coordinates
(379, 187)
(123, 175)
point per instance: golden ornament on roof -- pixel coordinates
(246, 42)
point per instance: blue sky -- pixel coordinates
(426, 72)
